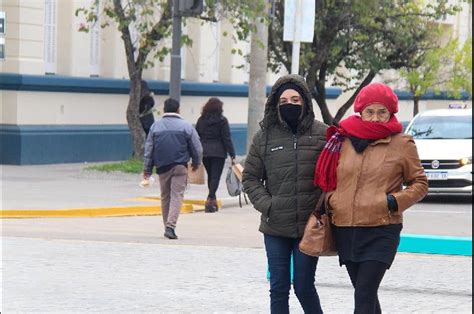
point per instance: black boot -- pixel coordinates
(208, 207)
(215, 205)
(170, 234)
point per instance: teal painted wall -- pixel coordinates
(50, 144)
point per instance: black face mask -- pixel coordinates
(291, 114)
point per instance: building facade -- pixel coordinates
(64, 93)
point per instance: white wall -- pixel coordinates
(38, 108)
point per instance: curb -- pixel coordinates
(94, 212)
(428, 244)
(425, 244)
(222, 203)
(189, 206)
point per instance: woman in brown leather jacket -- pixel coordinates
(363, 167)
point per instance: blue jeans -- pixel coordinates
(279, 251)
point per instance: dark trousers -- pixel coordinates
(214, 167)
(279, 251)
(366, 278)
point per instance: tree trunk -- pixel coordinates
(323, 107)
(416, 105)
(133, 120)
(318, 91)
(257, 79)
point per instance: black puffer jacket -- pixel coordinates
(146, 115)
(216, 140)
(286, 162)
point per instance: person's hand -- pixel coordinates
(194, 168)
(232, 160)
(146, 176)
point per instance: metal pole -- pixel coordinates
(295, 59)
(175, 80)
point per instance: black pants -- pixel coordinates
(214, 167)
(366, 278)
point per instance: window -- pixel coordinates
(447, 127)
(50, 18)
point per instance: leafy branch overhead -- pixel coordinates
(143, 26)
(242, 14)
(447, 68)
(355, 40)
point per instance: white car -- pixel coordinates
(444, 141)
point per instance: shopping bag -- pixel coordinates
(234, 183)
(197, 177)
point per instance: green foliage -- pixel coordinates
(242, 14)
(354, 40)
(128, 166)
(142, 23)
(447, 68)
(461, 70)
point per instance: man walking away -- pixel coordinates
(170, 145)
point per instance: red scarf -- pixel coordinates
(325, 175)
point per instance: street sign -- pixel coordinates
(307, 19)
(2, 23)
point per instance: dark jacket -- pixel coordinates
(214, 132)
(286, 162)
(146, 115)
(171, 141)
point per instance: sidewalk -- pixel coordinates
(69, 186)
(62, 187)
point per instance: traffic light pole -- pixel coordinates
(175, 81)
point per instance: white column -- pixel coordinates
(50, 36)
(216, 31)
(95, 45)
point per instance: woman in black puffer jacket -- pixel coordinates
(278, 178)
(214, 131)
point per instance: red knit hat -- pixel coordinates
(376, 93)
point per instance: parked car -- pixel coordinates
(405, 124)
(444, 141)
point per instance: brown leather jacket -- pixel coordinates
(364, 180)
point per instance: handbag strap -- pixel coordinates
(317, 211)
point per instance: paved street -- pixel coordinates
(62, 276)
(124, 265)
(70, 186)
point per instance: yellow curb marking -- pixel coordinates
(94, 212)
(157, 199)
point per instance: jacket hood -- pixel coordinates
(272, 114)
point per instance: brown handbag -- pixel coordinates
(318, 238)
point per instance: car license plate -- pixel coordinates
(437, 176)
